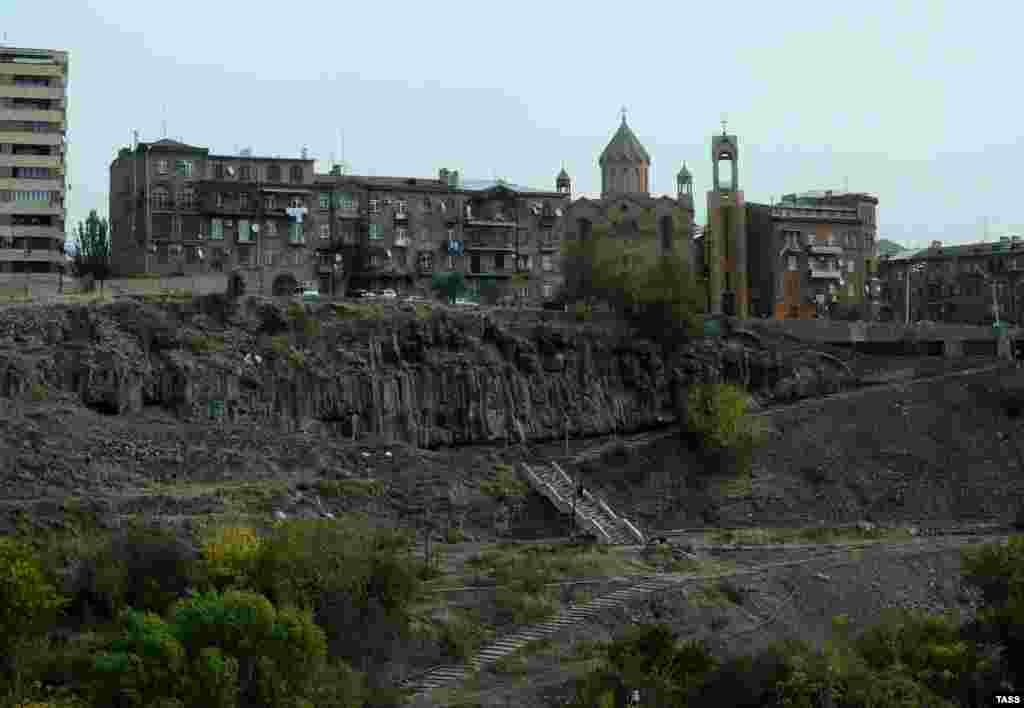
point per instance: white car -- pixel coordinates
(390, 294)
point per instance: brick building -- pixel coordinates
(176, 208)
(33, 123)
(956, 283)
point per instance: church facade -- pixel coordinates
(626, 204)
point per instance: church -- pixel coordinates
(626, 201)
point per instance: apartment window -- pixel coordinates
(176, 225)
(296, 234)
(524, 263)
(426, 261)
(451, 234)
(347, 201)
(401, 235)
(161, 255)
(325, 231)
(450, 262)
(271, 228)
(296, 173)
(269, 203)
(546, 263)
(183, 168)
(161, 198)
(244, 231)
(216, 230)
(374, 260)
(548, 290)
(243, 200)
(245, 173)
(220, 200)
(499, 261)
(325, 200)
(401, 206)
(374, 206)
(792, 262)
(296, 203)
(162, 167)
(376, 232)
(218, 170)
(274, 173)
(187, 198)
(268, 259)
(426, 204)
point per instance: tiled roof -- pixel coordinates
(624, 147)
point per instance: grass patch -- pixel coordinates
(206, 344)
(82, 298)
(824, 534)
(168, 296)
(464, 634)
(39, 392)
(545, 563)
(711, 596)
(302, 322)
(240, 498)
(739, 487)
(14, 296)
(358, 311)
(358, 488)
(423, 312)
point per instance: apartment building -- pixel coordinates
(179, 209)
(33, 125)
(398, 232)
(970, 283)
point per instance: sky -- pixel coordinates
(913, 102)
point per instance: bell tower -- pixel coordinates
(727, 237)
(684, 189)
(562, 183)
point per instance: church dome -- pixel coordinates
(624, 147)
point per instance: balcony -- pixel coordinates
(32, 184)
(41, 208)
(484, 221)
(31, 138)
(19, 254)
(49, 161)
(32, 114)
(46, 92)
(20, 69)
(825, 274)
(819, 249)
(348, 212)
(503, 273)
(549, 245)
(403, 241)
(401, 216)
(32, 231)
(486, 245)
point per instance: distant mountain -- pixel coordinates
(889, 248)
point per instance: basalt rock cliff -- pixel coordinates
(428, 376)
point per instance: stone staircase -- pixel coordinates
(442, 676)
(592, 513)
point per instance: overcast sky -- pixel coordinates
(916, 102)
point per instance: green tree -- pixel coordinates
(92, 248)
(450, 285)
(29, 604)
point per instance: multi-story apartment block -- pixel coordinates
(33, 122)
(971, 283)
(176, 208)
(814, 254)
(397, 232)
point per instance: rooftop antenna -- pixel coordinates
(725, 120)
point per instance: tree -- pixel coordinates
(92, 250)
(450, 285)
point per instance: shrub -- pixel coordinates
(40, 392)
(230, 554)
(504, 485)
(280, 345)
(303, 324)
(206, 344)
(717, 415)
(29, 603)
(358, 311)
(463, 634)
(583, 312)
(141, 567)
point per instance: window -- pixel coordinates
(218, 170)
(216, 230)
(524, 263)
(376, 232)
(244, 231)
(347, 201)
(187, 198)
(274, 173)
(325, 200)
(401, 206)
(176, 225)
(792, 262)
(296, 203)
(426, 261)
(183, 168)
(374, 260)
(271, 228)
(426, 204)
(245, 173)
(268, 259)
(296, 234)
(243, 201)
(499, 261)
(269, 203)
(546, 263)
(549, 290)
(374, 206)
(162, 167)
(220, 200)
(325, 231)
(296, 173)
(401, 235)
(450, 262)
(161, 198)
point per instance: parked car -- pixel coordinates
(389, 293)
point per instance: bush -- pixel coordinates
(463, 634)
(230, 554)
(716, 414)
(504, 485)
(29, 603)
(141, 567)
(206, 344)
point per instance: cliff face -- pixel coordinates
(421, 377)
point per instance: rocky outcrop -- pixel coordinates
(444, 378)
